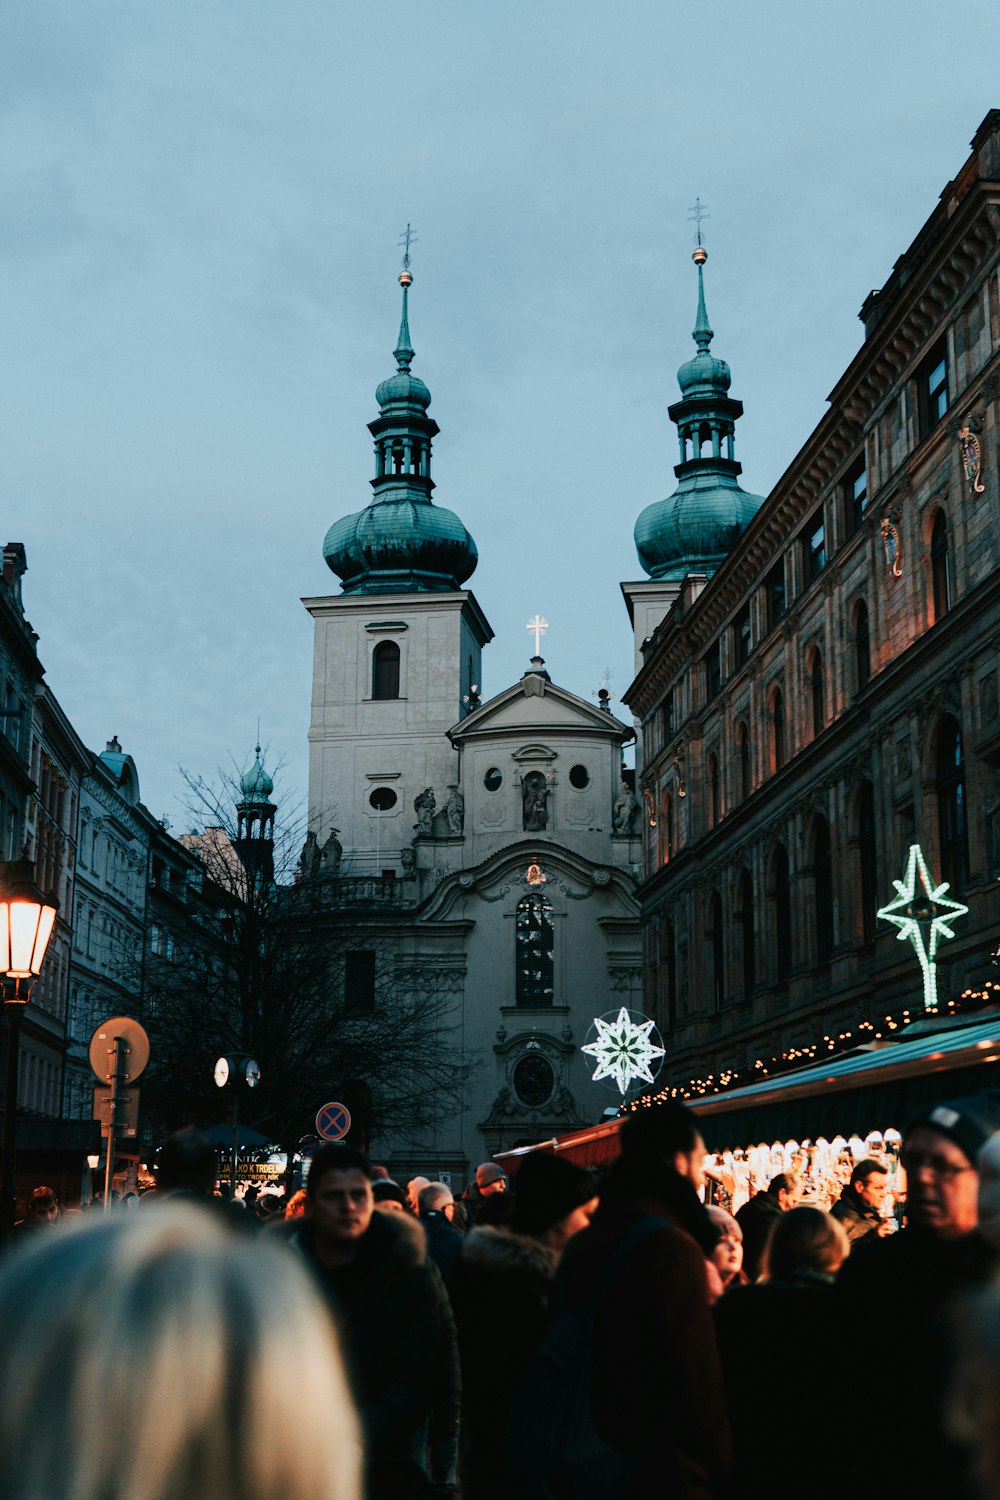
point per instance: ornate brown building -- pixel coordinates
(817, 679)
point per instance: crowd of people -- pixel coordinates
(555, 1337)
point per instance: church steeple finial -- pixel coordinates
(404, 349)
(702, 332)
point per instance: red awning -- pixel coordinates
(593, 1146)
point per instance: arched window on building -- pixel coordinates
(717, 950)
(780, 896)
(743, 756)
(940, 567)
(747, 934)
(817, 692)
(868, 892)
(714, 798)
(862, 647)
(385, 670)
(777, 730)
(534, 941)
(822, 890)
(953, 830)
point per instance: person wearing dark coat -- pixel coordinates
(895, 1296)
(396, 1327)
(857, 1208)
(758, 1219)
(500, 1291)
(775, 1337)
(486, 1200)
(656, 1385)
(444, 1243)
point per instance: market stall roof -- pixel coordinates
(872, 1087)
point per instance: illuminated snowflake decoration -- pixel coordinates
(624, 1050)
(924, 916)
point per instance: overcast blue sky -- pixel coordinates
(201, 201)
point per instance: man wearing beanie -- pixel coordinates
(895, 1294)
(500, 1291)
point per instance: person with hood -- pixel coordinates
(500, 1290)
(642, 1266)
(395, 1323)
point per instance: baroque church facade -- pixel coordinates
(486, 851)
(816, 680)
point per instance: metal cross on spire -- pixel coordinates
(696, 215)
(406, 239)
(539, 625)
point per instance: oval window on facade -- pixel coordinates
(383, 798)
(579, 777)
(493, 780)
(534, 1080)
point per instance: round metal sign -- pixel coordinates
(135, 1045)
(333, 1121)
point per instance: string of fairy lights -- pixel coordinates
(829, 1043)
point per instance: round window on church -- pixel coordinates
(534, 1080)
(579, 777)
(493, 780)
(383, 798)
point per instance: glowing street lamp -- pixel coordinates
(924, 916)
(26, 921)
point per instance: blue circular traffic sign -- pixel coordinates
(333, 1121)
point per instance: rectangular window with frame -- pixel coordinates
(855, 496)
(774, 590)
(359, 981)
(742, 636)
(932, 390)
(813, 549)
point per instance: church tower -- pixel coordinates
(691, 532)
(255, 824)
(399, 650)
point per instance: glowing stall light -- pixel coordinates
(623, 1050)
(923, 915)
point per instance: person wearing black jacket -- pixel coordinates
(395, 1323)
(758, 1219)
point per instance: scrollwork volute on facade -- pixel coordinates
(501, 894)
(972, 458)
(892, 548)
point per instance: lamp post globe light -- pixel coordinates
(26, 921)
(236, 1068)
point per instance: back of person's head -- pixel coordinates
(186, 1163)
(336, 1156)
(865, 1169)
(805, 1239)
(148, 1357)
(547, 1189)
(656, 1135)
(434, 1197)
(972, 1409)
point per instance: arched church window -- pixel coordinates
(534, 941)
(385, 670)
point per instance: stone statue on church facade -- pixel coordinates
(309, 859)
(454, 810)
(625, 809)
(535, 798)
(408, 859)
(424, 806)
(331, 855)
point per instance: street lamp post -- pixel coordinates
(231, 1069)
(26, 921)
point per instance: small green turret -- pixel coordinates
(693, 530)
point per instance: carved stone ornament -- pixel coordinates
(988, 697)
(972, 459)
(647, 797)
(892, 548)
(903, 762)
(679, 776)
(535, 875)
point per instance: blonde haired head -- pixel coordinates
(160, 1356)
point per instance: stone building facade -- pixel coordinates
(483, 852)
(824, 693)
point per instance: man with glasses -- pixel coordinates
(895, 1291)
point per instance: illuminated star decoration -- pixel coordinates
(924, 916)
(623, 1050)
